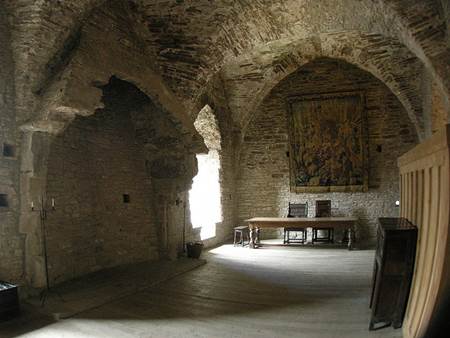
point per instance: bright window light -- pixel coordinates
(204, 197)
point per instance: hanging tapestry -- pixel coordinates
(328, 143)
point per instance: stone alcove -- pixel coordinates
(264, 162)
(110, 175)
(92, 165)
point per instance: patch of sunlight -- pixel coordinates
(204, 197)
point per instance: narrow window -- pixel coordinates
(4, 200)
(8, 150)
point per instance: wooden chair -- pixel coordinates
(240, 235)
(323, 209)
(296, 210)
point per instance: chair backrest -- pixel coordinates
(298, 210)
(323, 208)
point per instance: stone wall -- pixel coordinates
(61, 50)
(94, 165)
(263, 181)
(439, 109)
(227, 181)
(105, 44)
(11, 241)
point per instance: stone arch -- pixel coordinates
(208, 127)
(254, 113)
(251, 24)
(98, 177)
(265, 152)
(370, 53)
(165, 168)
(73, 91)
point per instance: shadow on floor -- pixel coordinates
(239, 281)
(298, 284)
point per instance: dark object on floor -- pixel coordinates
(392, 272)
(296, 210)
(241, 233)
(323, 209)
(194, 249)
(9, 301)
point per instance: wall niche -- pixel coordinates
(4, 201)
(91, 164)
(9, 150)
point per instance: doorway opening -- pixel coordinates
(205, 195)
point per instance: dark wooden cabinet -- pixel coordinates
(9, 301)
(393, 269)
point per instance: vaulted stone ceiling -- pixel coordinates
(251, 77)
(254, 43)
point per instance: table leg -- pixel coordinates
(257, 236)
(252, 244)
(350, 238)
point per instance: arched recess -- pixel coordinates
(250, 78)
(113, 179)
(263, 162)
(88, 61)
(205, 196)
(11, 240)
(72, 90)
(101, 176)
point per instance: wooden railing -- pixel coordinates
(424, 186)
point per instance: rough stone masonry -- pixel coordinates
(98, 101)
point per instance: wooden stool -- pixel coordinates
(240, 233)
(288, 239)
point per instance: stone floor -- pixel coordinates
(269, 292)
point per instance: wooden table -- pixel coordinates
(256, 223)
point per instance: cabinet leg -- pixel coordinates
(396, 325)
(374, 282)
